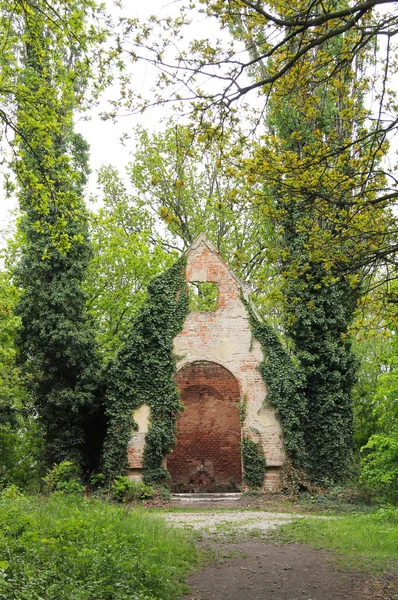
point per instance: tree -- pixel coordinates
(179, 187)
(56, 339)
(379, 408)
(19, 432)
(210, 78)
(127, 255)
(71, 38)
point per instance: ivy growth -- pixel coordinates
(242, 409)
(254, 463)
(284, 384)
(142, 373)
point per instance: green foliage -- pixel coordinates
(189, 182)
(375, 351)
(254, 463)
(127, 255)
(142, 373)
(56, 340)
(387, 514)
(126, 490)
(70, 547)
(11, 492)
(64, 39)
(319, 315)
(64, 478)
(20, 434)
(380, 464)
(97, 481)
(203, 296)
(284, 383)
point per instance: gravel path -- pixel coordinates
(231, 521)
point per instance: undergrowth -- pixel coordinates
(72, 547)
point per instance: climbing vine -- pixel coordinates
(254, 463)
(142, 373)
(242, 409)
(284, 384)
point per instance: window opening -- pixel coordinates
(203, 296)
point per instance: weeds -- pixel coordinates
(71, 547)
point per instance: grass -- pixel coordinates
(87, 549)
(366, 541)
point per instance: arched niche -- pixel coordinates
(207, 453)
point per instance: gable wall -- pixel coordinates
(224, 337)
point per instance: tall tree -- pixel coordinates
(321, 196)
(127, 255)
(212, 77)
(56, 340)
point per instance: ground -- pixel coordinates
(245, 564)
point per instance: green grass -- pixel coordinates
(69, 548)
(366, 541)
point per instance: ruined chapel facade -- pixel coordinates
(217, 368)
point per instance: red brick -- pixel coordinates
(207, 454)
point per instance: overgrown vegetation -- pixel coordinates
(314, 236)
(254, 463)
(56, 340)
(142, 373)
(70, 547)
(284, 387)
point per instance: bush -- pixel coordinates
(11, 492)
(127, 490)
(97, 481)
(380, 465)
(387, 514)
(63, 478)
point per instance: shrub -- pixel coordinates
(11, 492)
(63, 478)
(127, 490)
(387, 514)
(97, 481)
(380, 465)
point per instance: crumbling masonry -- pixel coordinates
(217, 368)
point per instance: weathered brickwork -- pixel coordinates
(207, 455)
(217, 364)
(224, 337)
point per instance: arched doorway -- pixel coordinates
(207, 454)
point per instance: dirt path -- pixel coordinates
(257, 570)
(247, 567)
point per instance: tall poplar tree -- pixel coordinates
(56, 340)
(325, 219)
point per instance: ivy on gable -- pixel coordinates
(284, 383)
(142, 373)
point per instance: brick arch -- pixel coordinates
(207, 455)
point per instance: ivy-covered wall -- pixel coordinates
(285, 385)
(143, 373)
(224, 337)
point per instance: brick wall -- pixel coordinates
(217, 362)
(207, 455)
(224, 337)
